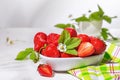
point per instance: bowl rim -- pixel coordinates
(58, 58)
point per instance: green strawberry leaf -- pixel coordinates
(80, 19)
(104, 33)
(33, 56)
(95, 16)
(98, 15)
(71, 51)
(65, 35)
(60, 26)
(22, 55)
(63, 26)
(70, 25)
(29, 50)
(28, 53)
(101, 12)
(72, 43)
(107, 18)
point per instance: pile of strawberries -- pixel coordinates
(47, 45)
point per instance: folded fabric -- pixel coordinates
(108, 69)
(112, 53)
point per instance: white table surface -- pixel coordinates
(22, 38)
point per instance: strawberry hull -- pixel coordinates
(64, 64)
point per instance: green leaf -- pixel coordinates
(22, 55)
(72, 43)
(95, 16)
(104, 33)
(101, 12)
(107, 18)
(33, 56)
(70, 25)
(80, 19)
(29, 50)
(28, 53)
(62, 26)
(104, 30)
(98, 15)
(65, 35)
(71, 51)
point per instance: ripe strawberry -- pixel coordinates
(84, 37)
(43, 51)
(98, 44)
(53, 38)
(37, 47)
(45, 70)
(72, 31)
(85, 49)
(40, 37)
(65, 55)
(51, 51)
(39, 40)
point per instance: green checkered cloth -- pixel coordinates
(109, 69)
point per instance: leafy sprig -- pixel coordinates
(71, 43)
(97, 16)
(63, 26)
(105, 34)
(94, 16)
(28, 53)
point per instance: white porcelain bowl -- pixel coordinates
(64, 64)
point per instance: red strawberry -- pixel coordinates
(53, 38)
(40, 37)
(98, 44)
(84, 37)
(65, 55)
(85, 49)
(72, 31)
(37, 47)
(51, 51)
(43, 51)
(45, 70)
(39, 40)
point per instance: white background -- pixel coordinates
(46, 13)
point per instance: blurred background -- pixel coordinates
(47, 13)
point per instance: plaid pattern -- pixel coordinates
(109, 69)
(112, 53)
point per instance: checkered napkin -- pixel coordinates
(108, 69)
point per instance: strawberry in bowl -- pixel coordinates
(68, 50)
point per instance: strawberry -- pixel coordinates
(40, 37)
(84, 37)
(65, 55)
(72, 31)
(51, 51)
(53, 38)
(43, 51)
(45, 70)
(85, 49)
(39, 40)
(98, 44)
(37, 47)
